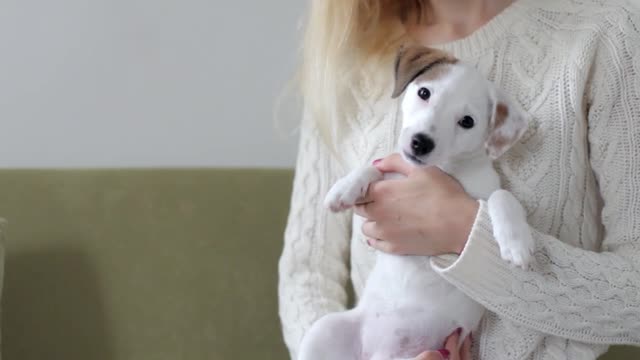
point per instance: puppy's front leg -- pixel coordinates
(348, 190)
(511, 229)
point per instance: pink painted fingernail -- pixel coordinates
(377, 161)
(459, 331)
(445, 353)
(369, 242)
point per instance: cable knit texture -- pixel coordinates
(575, 67)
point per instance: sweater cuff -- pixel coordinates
(480, 265)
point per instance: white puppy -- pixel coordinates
(457, 120)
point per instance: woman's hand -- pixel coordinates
(427, 213)
(450, 350)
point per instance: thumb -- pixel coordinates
(394, 163)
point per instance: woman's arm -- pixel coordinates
(313, 267)
(592, 297)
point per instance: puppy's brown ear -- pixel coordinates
(413, 61)
(507, 125)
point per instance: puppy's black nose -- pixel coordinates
(421, 144)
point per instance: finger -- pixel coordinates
(394, 163)
(465, 352)
(377, 238)
(384, 246)
(368, 196)
(367, 210)
(434, 355)
(361, 209)
(371, 230)
(452, 345)
(376, 190)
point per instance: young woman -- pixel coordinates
(574, 65)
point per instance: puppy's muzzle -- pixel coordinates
(421, 144)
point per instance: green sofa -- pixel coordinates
(145, 264)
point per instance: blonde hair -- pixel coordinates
(348, 43)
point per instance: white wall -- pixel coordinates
(119, 83)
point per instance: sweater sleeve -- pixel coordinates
(573, 293)
(313, 267)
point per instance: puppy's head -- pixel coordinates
(450, 110)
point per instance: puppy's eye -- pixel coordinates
(424, 93)
(467, 122)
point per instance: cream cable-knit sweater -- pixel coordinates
(575, 66)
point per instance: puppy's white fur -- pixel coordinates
(407, 308)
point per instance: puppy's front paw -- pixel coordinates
(344, 194)
(511, 229)
(516, 245)
(348, 190)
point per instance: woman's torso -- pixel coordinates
(546, 68)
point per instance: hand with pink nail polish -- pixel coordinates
(450, 350)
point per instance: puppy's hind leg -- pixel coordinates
(333, 337)
(511, 229)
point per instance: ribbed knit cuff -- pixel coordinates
(479, 267)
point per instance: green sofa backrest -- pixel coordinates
(150, 264)
(145, 264)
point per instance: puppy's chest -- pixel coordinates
(478, 180)
(482, 186)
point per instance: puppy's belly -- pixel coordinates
(403, 332)
(408, 308)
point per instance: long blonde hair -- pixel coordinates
(347, 43)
